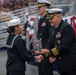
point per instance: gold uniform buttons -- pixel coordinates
(40, 38)
(59, 57)
(58, 41)
(40, 33)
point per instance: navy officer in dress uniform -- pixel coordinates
(16, 49)
(45, 67)
(62, 43)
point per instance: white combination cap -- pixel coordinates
(14, 22)
(52, 12)
(43, 3)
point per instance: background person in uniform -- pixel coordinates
(62, 43)
(45, 67)
(16, 49)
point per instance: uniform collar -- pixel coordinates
(57, 25)
(43, 16)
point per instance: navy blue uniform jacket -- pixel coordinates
(62, 45)
(43, 31)
(17, 55)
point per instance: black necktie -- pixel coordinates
(53, 31)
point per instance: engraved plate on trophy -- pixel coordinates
(37, 46)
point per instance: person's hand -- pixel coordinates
(52, 59)
(38, 58)
(37, 52)
(44, 51)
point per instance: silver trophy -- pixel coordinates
(37, 46)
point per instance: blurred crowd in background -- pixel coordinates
(9, 5)
(17, 4)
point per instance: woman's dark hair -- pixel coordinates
(11, 29)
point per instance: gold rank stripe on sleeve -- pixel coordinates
(55, 51)
(40, 5)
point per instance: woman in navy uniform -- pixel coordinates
(62, 43)
(16, 49)
(44, 67)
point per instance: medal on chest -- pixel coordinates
(43, 24)
(58, 35)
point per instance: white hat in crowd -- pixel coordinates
(27, 13)
(14, 22)
(41, 3)
(52, 12)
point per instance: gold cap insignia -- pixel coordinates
(49, 16)
(40, 5)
